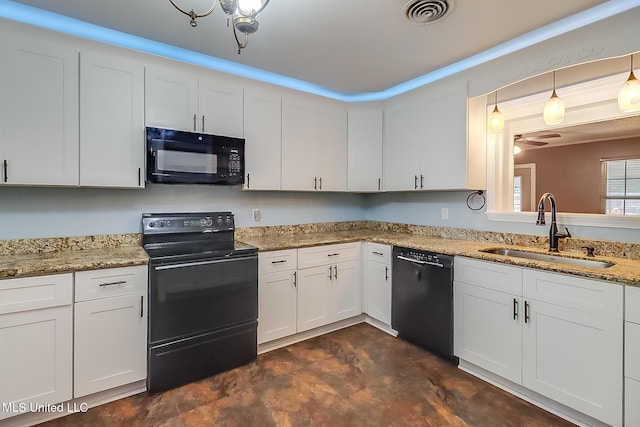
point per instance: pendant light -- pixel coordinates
(496, 121)
(629, 95)
(516, 149)
(554, 108)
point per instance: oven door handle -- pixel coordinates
(419, 262)
(197, 263)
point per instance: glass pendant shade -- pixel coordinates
(516, 150)
(554, 110)
(629, 95)
(495, 124)
(496, 121)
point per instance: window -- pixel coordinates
(621, 187)
(517, 194)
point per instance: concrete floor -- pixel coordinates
(358, 376)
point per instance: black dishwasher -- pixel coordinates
(422, 300)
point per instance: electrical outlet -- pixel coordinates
(444, 213)
(256, 215)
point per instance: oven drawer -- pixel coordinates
(328, 254)
(111, 282)
(285, 260)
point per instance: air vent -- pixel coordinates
(426, 11)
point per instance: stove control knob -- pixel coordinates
(209, 222)
(228, 220)
(162, 224)
(219, 220)
(152, 224)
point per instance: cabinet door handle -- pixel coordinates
(6, 170)
(141, 306)
(386, 273)
(379, 184)
(526, 312)
(295, 279)
(119, 282)
(335, 275)
(515, 309)
(194, 121)
(139, 177)
(421, 181)
(203, 123)
(330, 273)
(320, 183)
(315, 182)
(415, 182)
(248, 180)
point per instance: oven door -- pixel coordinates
(191, 298)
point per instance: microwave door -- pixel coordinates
(170, 162)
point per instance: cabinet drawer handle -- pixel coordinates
(279, 261)
(526, 312)
(386, 273)
(336, 254)
(377, 253)
(515, 309)
(120, 282)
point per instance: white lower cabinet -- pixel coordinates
(277, 294)
(35, 342)
(110, 328)
(561, 336)
(302, 289)
(376, 283)
(632, 357)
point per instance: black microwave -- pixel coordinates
(177, 157)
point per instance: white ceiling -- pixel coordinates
(348, 46)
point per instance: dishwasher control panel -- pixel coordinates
(423, 256)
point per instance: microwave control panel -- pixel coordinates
(235, 163)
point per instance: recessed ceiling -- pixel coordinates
(347, 46)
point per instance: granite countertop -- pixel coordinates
(38, 264)
(33, 257)
(625, 271)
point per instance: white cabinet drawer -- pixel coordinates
(574, 292)
(632, 304)
(632, 350)
(28, 293)
(491, 275)
(328, 254)
(111, 282)
(376, 252)
(284, 260)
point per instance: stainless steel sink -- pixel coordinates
(559, 259)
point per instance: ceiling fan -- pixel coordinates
(533, 139)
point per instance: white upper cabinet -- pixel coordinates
(404, 125)
(38, 110)
(263, 135)
(171, 99)
(314, 144)
(184, 99)
(221, 107)
(112, 130)
(365, 149)
(434, 139)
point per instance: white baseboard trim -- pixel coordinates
(532, 397)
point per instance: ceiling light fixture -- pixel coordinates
(496, 120)
(629, 95)
(554, 108)
(243, 13)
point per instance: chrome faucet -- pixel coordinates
(554, 235)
